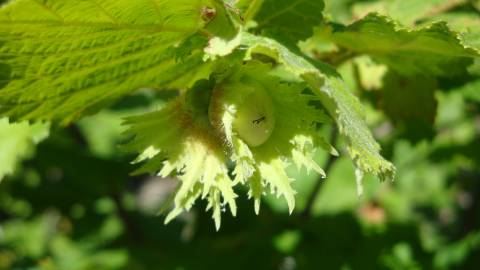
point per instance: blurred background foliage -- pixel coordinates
(71, 203)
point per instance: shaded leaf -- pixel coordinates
(411, 104)
(289, 21)
(432, 50)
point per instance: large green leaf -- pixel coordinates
(431, 50)
(342, 105)
(67, 58)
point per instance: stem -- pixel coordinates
(318, 185)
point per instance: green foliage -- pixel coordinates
(61, 65)
(433, 50)
(232, 103)
(254, 86)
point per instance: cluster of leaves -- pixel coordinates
(65, 59)
(60, 66)
(73, 205)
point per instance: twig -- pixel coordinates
(316, 189)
